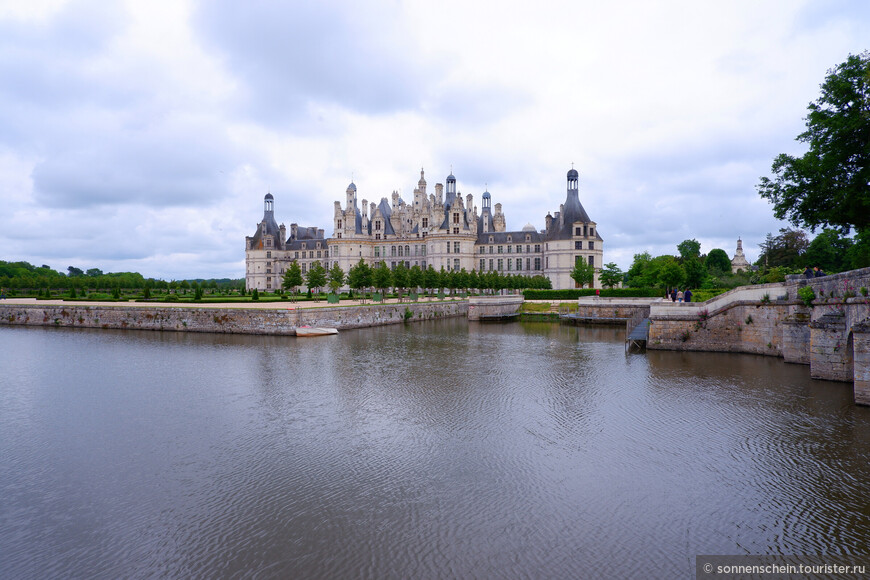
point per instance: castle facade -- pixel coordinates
(439, 229)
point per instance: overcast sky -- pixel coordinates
(142, 136)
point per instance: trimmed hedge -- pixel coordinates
(574, 293)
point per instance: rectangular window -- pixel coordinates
(578, 231)
(500, 264)
(591, 260)
(490, 251)
(537, 263)
(591, 245)
(456, 264)
(338, 225)
(268, 254)
(318, 253)
(509, 248)
(423, 250)
(456, 218)
(519, 263)
(455, 230)
(393, 251)
(400, 252)
(519, 249)
(377, 253)
(537, 248)
(268, 270)
(528, 263)
(455, 247)
(377, 225)
(528, 248)
(448, 247)
(500, 248)
(490, 263)
(295, 255)
(303, 268)
(510, 264)
(578, 245)
(425, 222)
(482, 264)
(423, 264)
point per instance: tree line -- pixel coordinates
(363, 277)
(27, 277)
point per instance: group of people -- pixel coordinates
(677, 295)
(814, 272)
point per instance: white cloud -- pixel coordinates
(143, 137)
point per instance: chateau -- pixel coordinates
(440, 229)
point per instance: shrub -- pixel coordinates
(807, 295)
(255, 295)
(574, 293)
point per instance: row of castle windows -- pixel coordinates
(510, 249)
(584, 231)
(578, 245)
(512, 264)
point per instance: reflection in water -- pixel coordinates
(436, 449)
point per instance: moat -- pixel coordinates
(431, 450)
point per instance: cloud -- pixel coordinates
(288, 56)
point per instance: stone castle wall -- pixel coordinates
(281, 321)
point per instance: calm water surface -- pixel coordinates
(432, 450)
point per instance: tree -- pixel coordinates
(610, 275)
(695, 272)
(583, 273)
(637, 272)
(828, 186)
(400, 278)
(94, 272)
(717, 261)
(335, 278)
(671, 274)
(785, 249)
(430, 278)
(382, 278)
(415, 278)
(689, 249)
(316, 277)
(360, 277)
(293, 278)
(829, 251)
(74, 272)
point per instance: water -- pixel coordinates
(432, 450)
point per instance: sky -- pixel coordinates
(143, 136)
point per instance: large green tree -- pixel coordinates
(360, 277)
(336, 278)
(689, 249)
(315, 278)
(718, 261)
(292, 278)
(829, 186)
(583, 273)
(786, 249)
(610, 275)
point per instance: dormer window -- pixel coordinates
(303, 245)
(490, 239)
(509, 239)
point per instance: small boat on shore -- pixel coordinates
(309, 331)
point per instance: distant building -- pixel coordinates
(739, 262)
(440, 229)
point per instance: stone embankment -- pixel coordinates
(832, 335)
(277, 319)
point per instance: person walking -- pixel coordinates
(680, 296)
(688, 295)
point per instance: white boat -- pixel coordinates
(306, 331)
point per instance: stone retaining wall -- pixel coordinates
(226, 319)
